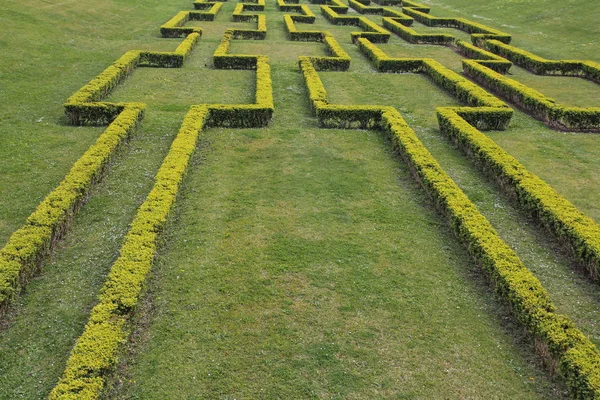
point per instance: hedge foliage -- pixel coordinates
(398, 26)
(478, 31)
(372, 31)
(579, 232)
(537, 104)
(84, 106)
(541, 66)
(175, 26)
(496, 115)
(365, 8)
(483, 57)
(398, 16)
(96, 352)
(26, 248)
(559, 341)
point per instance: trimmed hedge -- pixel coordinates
(415, 6)
(558, 339)
(372, 31)
(397, 25)
(175, 26)
(483, 57)
(541, 66)
(84, 108)
(21, 257)
(497, 114)
(96, 352)
(365, 9)
(478, 31)
(398, 16)
(571, 227)
(534, 102)
(302, 36)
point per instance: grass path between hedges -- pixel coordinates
(300, 260)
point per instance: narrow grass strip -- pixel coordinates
(95, 353)
(21, 257)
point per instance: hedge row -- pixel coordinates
(338, 60)
(497, 114)
(372, 31)
(398, 16)
(388, 2)
(175, 26)
(96, 352)
(579, 232)
(541, 66)
(26, 248)
(204, 4)
(302, 36)
(336, 5)
(415, 6)
(365, 9)
(483, 57)
(260, 33)
(558, 339)
(248, 115)
(397, 25)
(537, 104)
(306, 16)
(478, 31)
(83, 107)
(222, 59)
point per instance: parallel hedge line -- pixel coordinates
(537, 104)
(478, 31)
(541, 66)
(579, 232)
(558, 339)
(372, 31)
(23, 254)
(96, 352)
(26, 248)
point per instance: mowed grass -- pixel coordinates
(301, 262)
(305, 263)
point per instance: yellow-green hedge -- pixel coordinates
(21, 257)
(579, 232)
(96, 351)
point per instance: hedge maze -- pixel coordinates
(486, 95)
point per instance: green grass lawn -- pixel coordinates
(300, 262)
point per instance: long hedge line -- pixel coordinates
(579, 232)
(23, 254)
(372, 31)
(541, 66)
(535, 103)
(96, 352)
(558, 340)
(478, 31)
(27, 247)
